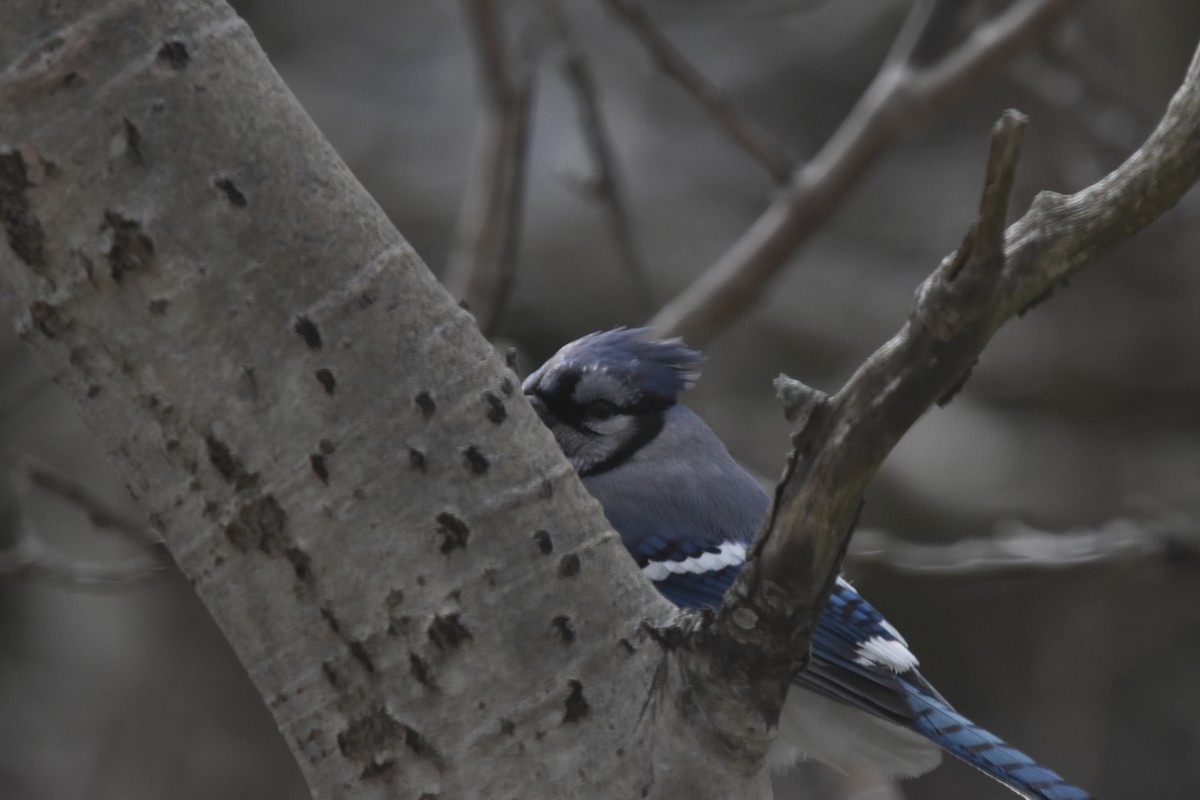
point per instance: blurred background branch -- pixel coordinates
(602, 183)
(480, 267)
(1017, 548)
(903, 95)
(28, 555)
(31, 558)
(741, 128)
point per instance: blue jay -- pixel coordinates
(687, 514)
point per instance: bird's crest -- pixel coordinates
(662, 368)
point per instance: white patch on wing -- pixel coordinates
(883, 623)
(730, 554)
(888, 653)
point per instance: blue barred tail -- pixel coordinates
(987, 752)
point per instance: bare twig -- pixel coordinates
(482, 262)
(604, 183)
(1019, 548)
(770, 611)
(902, 97)
(741, 128)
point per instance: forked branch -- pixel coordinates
(993, 276)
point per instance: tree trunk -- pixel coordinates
(412, 575)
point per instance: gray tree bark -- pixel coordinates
(412, 575)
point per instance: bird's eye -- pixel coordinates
(601, 409)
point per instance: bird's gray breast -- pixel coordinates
(681, 485)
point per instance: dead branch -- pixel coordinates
(902, 97)
(482, 261)
(741, 128)
(769, 613)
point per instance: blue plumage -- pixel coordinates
(688, 513)
(942, 724)
(642, 370)
(686, 589)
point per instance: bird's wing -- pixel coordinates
(692, 573)
(861, 660)
(688, 523)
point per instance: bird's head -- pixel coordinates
(604, 395)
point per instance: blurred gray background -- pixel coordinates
(1083, 412)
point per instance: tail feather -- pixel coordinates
(987, 752)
